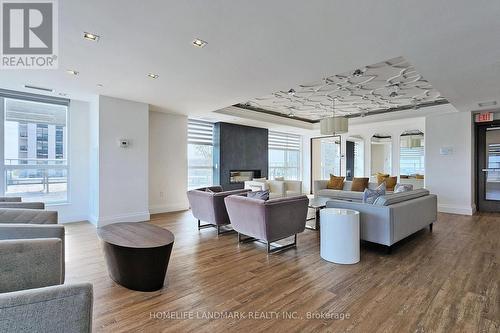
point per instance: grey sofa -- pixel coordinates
(320, 190)
(32, 298)
(268, 221)
(394, 216)
(209, 207)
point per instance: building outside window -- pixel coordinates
(200, 154)
(284, 156)
(35, 150)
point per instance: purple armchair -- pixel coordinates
(208, 206)
(268, 221)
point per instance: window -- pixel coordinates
(35, 161)
(284, 156)
(200, 154)
(359, 159)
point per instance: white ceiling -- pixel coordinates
(386, 86)
(258, 47)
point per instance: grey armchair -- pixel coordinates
(31, 297)
(268, 221)
(17, 202)
(208, 206)
(30, 224)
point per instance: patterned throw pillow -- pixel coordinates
(403, 188)
(335, 183)
(262, 195)
(369, 195)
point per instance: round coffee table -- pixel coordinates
(137, 254)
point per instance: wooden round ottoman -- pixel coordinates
(137, 254)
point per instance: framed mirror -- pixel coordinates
(381, 154)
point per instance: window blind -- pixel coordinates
(284, 141)
(200, 132)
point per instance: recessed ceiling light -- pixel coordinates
(91, 36)
(199, 43)
(490, 103)
(38, 88)
(99, 85)
(72, 72)
(153, 76)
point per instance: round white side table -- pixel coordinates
(339, 239)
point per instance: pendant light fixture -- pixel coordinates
(335, 124)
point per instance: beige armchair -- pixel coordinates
(276, 188)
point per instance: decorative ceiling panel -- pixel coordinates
(387, 86)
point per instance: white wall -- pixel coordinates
(123, 172)
(167, 162)
(78, 143)
(450, 176)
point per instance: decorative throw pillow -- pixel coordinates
(381, 177)
(262, 195)
(359, 184)
(369, 195)
(335, 183)
(403, 188)
(390, 183)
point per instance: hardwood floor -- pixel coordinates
(445, 281)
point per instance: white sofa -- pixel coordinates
(277, 188)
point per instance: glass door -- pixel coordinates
(488, 167)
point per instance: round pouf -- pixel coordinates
(339, 235)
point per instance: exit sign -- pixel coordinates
(484, 117)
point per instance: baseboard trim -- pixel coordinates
(73, 219)
(157, 209)
(131, 217)
(452, 209)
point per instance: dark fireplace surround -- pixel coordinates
(242, 149)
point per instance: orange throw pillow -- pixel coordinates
(359, 184)
(390, 183)
(335, 183)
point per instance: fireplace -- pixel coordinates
(240, 176)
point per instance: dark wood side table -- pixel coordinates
(137, 254)
(317, 203)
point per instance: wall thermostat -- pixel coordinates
(124, 143)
